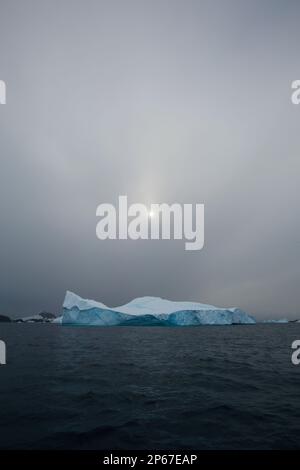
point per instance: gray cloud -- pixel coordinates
(182, 101)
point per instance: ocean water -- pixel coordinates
(211, 387)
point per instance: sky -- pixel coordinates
(163, 101)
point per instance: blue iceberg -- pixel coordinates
(146, 311)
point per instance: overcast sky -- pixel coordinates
(164, 101)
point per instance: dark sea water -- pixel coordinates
(211, 387)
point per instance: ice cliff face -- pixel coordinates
(149, 311)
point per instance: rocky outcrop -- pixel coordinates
(4, 318)
(42, 317)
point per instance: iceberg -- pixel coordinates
(146, 311)
(281, 320)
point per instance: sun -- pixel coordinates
(151, 214)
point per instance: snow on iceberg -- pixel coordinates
(58, 320)
(149, 311)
